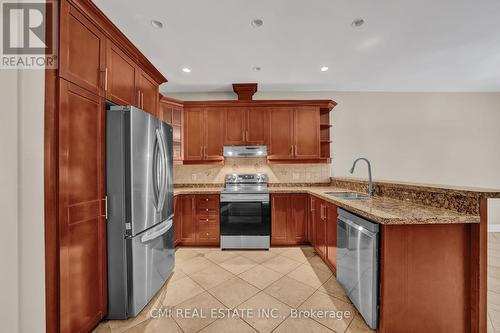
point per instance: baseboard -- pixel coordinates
(493, 227)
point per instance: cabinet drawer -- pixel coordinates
(208, 219)
(208, 232)
(207, 204)
(207, 211)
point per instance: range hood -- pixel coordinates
(245, 151)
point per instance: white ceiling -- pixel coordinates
(405, 45)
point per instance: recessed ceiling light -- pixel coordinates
(186, 70)
(256, 68)
(157, 24)
(324, 69)
(358, 22)
(257, 23)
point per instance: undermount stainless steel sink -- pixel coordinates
(349, 195)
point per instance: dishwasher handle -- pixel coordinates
(357, 227)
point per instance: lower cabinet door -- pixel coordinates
(320, 226)
(177, 219)
(82, 224)
(279, 219)
(188, 226)
(331, 235)
(298, 218)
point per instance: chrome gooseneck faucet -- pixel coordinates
(370, 182)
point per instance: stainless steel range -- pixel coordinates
(245, 214)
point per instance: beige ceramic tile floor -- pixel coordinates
(279, 281)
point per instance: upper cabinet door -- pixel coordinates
(235, 126)
(214, 134)
(148, 93)
(82, 50)
(119, 76)
(280, 133)
(193, 134)
(256, 126)
(306, 133)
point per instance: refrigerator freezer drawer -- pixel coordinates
(151, 261)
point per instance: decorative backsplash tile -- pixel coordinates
(278, 173)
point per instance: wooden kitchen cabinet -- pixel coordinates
(256, 126)
(203, 135)
(306, 133)
(147, 93)
(280, 134)
(171, 112)
(199, 219)
(177, 219)
(294, 133)
(194, 139)
(246, 126)
(235, 129)
(298, 216)
(82, 50)
(320, 228)
(214, 139)
(82, 224)
(96, 63)
(331, 236)
(188, 223)
(311, 220)
(120, 76)
(289, 216)
(280, 228)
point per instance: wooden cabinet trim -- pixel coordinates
(107, 27)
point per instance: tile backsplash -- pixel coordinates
(278, 173)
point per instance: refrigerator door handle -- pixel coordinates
(156, 173)
(163, 188)
(157, 233)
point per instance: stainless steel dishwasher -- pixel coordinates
(358, 263)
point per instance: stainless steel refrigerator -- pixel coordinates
(140, 233)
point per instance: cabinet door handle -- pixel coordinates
(106, 79)
(201, 151)
(139, 99)
(142, 100)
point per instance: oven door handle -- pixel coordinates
(262, 198)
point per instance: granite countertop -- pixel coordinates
(383, 210)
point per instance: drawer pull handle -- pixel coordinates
(206, 199)
(207, 209)
(207, 220)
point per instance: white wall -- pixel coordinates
(9, 252)
(440, 138)
(22, 281)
